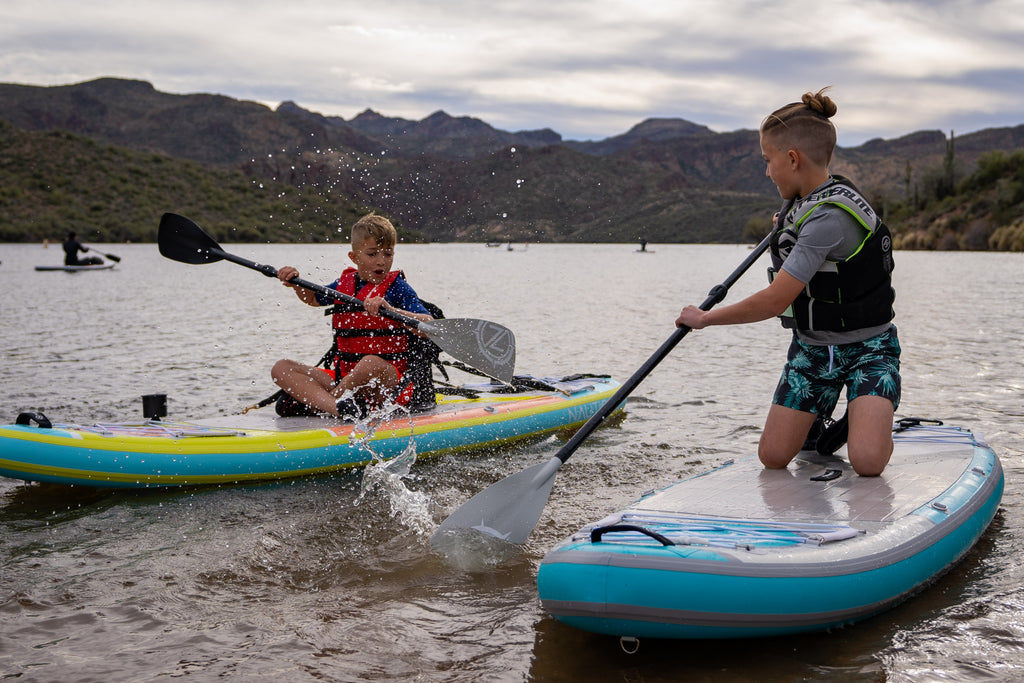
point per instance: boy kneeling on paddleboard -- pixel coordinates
(832, 284)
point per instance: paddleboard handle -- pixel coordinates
(827, 475)
(38, 418)
(595, 534)
(908, 422)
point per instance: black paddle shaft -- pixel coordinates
(716, 295)
(271, 271)
(112, 257)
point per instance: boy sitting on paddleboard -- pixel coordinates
(832, 284)
(373, 354)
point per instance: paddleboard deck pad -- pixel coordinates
(743, 551)
(261, 445)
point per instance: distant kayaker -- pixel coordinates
(832, 284)
(374, 356)
(71, 247)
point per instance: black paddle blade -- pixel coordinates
(180, 239)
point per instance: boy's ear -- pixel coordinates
(352, 256)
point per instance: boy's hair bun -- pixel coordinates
(820, 103)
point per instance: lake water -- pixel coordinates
(319, 579)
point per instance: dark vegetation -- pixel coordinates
(54, 182)
(107, 157)
(981, 210)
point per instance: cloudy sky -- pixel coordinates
(588, 69)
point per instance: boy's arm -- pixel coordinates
(404, 299)
(306, 296)
(374, 305)
(401, 298)
(767, 303)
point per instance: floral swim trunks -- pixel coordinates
(815, 375)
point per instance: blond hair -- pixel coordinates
(377, 228)
(804, 126)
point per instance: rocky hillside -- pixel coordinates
(984, 210)
(54, 182)
(458, 178)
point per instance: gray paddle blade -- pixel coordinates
(507, 510)
(486, 346)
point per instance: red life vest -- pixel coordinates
(358, 334)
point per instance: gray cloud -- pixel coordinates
(585, 69)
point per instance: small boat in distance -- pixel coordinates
(76, 269)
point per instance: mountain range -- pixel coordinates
(458, 178)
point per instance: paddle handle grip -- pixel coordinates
(271, 271)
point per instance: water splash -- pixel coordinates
(386, 478)
(472, 550)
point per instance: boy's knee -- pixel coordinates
(381, 369)
(773, 458)
(279, 368)
(869, 462)
(869, 470)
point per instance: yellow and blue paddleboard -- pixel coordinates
(261, 445)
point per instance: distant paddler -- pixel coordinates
(71, 248)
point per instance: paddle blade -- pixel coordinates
(484, 345)
(180, 239)
(507, 510)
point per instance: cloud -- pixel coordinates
(585, 69)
